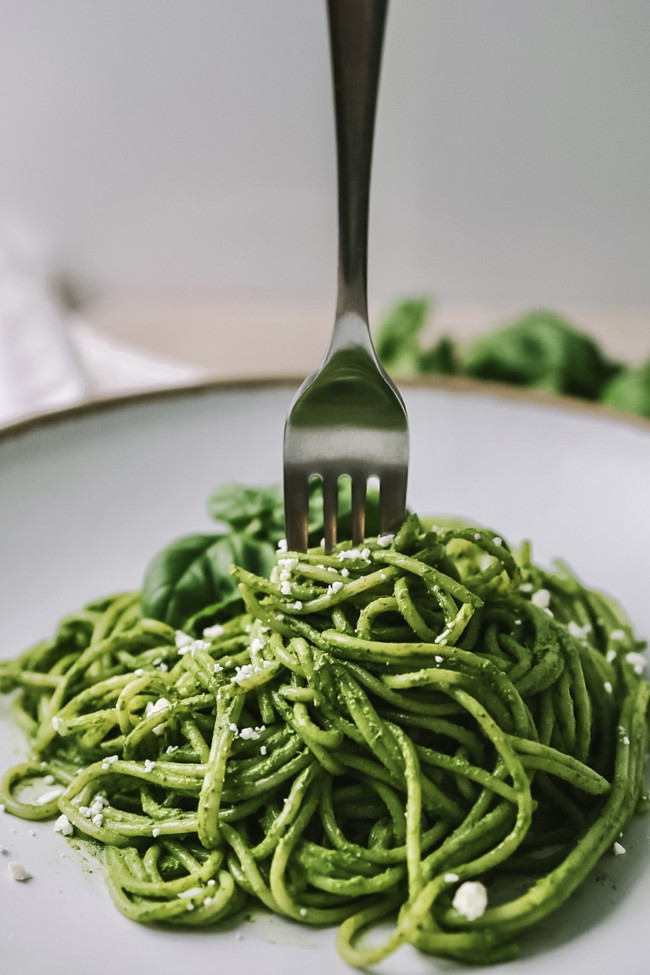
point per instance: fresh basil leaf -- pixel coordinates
(255, 510)
(541, 350)
(398, 341)
(629, 391)
(194, 572)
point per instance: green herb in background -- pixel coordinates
(540, 350)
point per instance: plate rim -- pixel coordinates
(458, 385)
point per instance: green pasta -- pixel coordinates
(378, 741)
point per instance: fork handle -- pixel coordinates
(356, 30)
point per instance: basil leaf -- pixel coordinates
(255, 510)
(194, 572)
(541, 350)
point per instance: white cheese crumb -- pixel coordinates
(282, 545)
(49, 796)
(191, 892)
(608, 687)
(249, 734)
(297, 604)
(212, 632)
(470, 899)
(637, 660)
(182, 639)
(149, 765)
(18, 872)
(345, 572)
(49, 779)
(63, 825)
(155, 832)
(288, 565)
(334, 588)
(57, 722)
(617, 634)
(541, 598)
(193, 646)
(385, 540)
(497, 540)
(262, 749)
(285, 588)
(139, 672)
(579, 632)
(451, 878)
(171, 749)
(438, 659)
(618, 849)
(98, 819)
(108, 761)
(303, 912)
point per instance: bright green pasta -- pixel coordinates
(380, 740)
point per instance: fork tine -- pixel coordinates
(330, 510)
(296, 510)
(392, 499)
(359, 488)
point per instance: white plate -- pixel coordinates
(87, 497)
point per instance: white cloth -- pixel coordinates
(50, 358)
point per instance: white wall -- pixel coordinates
(175, 150)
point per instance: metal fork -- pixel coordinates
(348, 418)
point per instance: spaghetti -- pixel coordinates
(383, 734)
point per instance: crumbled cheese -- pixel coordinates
(108, 761)
(262, 749)
(98, 819)
(49, 796)
(171, 749)
(18, 872)
(57, 722)
(193, 646)
(579, 632)
(149, 765)
(451, 878)
(303, 912)
(249, 734)
(617, 634)
(212, 632)
(608, 687)
(345, 572)
(470, 899)
(256, 645)
(247, 670)
(282, 545)
(155, 832)
(637, 660)
(297, 604)
(285, 588)
(63, 825)
(217, 668)
(49, 779)
(438, 659)
(191, 892)
(155, 708)
(497, 540)
(541, 598)
(334, 588)
(182, 639)
(139, 672)
(288, 565)
(526, 587)
(384, 541)
(618, 849)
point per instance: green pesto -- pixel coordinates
(364, 732)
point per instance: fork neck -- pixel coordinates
(356, 37)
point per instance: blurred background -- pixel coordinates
(168, 186)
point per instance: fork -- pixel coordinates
(348, 418)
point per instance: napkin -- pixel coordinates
(52, 358)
